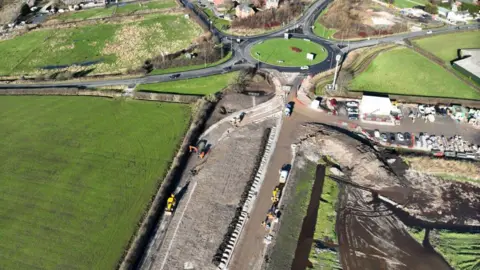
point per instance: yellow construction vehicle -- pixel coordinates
(171, 202)
(276, 194)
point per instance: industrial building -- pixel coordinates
(468, 63)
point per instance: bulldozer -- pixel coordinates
(201, 149)
(171, 202)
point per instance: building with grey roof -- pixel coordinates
(468, 63)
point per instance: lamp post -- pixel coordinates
(337, 60)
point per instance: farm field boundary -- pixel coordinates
(163, 97)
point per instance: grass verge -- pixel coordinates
(77, 175)
(281, 52)
(198, 86)
(445, 46)
(406, 72)
(409, 3)
(193, 67)
(321, 30)
(220, 24)
(461, 250)
(322, 254)
(291, 222)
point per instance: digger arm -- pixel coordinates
(192, 148)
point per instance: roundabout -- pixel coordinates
(292, 52)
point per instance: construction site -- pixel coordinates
(243, 174)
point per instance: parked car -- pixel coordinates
(376, 133)
(352, 104)
(429, 32)
(400, 137)
(392, 137)
(352, 110)
(304, 67)
(173, 76)
(383, 136)
(353, 116)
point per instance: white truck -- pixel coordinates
(284, 171)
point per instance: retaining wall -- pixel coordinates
(252, 195)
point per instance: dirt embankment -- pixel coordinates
(370, 234)
(361, 19)
(425, 197)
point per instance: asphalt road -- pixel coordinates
(241, 51)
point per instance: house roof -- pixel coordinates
(470, 61)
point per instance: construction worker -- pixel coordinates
(171, 203)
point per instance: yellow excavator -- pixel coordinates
(171, 202)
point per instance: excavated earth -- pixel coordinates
(370, 235)
(202, 219)
(423, 196)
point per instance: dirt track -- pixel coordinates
(371, 239)
(207, 208)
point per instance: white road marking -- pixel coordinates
(178, 225)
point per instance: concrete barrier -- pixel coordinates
(252, 195)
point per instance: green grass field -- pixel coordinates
(409, 3)
(292, 219)
(96, 13)
(117, 46)
(325, 228)
(197, 86)
(403, 71)
(461, 250)
(192, 67)
(77, 175)
(445, 46)
(278, 49)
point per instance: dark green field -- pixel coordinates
(77, 173)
